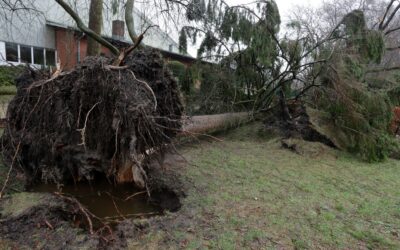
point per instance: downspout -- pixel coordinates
(78, 59)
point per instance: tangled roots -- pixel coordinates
(96, 119)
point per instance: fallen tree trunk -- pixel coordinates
(99, 119)
(211, 123)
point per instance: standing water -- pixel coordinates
(107, 201)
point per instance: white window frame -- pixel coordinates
(19, 53)
(32, 55)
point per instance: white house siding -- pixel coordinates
(29, 28)
(155, 37)
(25, 28)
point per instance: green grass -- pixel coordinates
(4, 101)
(251, 193)
(8, 90)
(248, 193)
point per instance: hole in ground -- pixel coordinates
(111, 203)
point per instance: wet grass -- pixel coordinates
(247, 192)
(8, 90)
(4, 100)
(251, 193)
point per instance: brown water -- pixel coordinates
(106, 201)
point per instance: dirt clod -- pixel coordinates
(299, 127)
(41, 221)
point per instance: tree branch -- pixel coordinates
(392, 30)
(125, 52)
(85, 29)
(383, 69)
(385, 15)
(390, 18)
(130, 24)
(392, 49)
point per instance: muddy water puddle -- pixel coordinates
(109, 202)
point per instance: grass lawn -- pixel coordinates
(4, 100)
(248, 192)
(8, 90)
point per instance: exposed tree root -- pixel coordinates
(96, 119)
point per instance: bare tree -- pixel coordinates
(85, 29)
(95, 24)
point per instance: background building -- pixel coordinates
(48, 34)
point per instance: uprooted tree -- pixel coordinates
(353, 102)
(245, 40)
(106, 117)
(330, 68)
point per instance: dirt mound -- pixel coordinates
(300, 126)
(313, 150)
(41, 221)
(96, 119)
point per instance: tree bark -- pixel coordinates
(130, 24)
(95, 24)
(284, 107)
(85, 29)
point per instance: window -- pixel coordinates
(50, 57)
(26, 54)
(38, 56)
(11, 52)
(23, 54)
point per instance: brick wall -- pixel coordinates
(67, 47)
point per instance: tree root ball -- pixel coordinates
(94, 120)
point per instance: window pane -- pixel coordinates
(26, 56)
(50, 58)
(11, 52)
(38, 57)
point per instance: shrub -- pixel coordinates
(183, 75)
(8, 74)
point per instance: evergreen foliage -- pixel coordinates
(183, 75)
(195, 10)
(183, 42)
(236, 26)
(207, 88)
(216, 94)
(246, 39)
(369, 43)
(260, 65)
(360, 116)
(394, 95)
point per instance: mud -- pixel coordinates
(42, 221)
(49, 221)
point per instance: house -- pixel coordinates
(47, 35)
